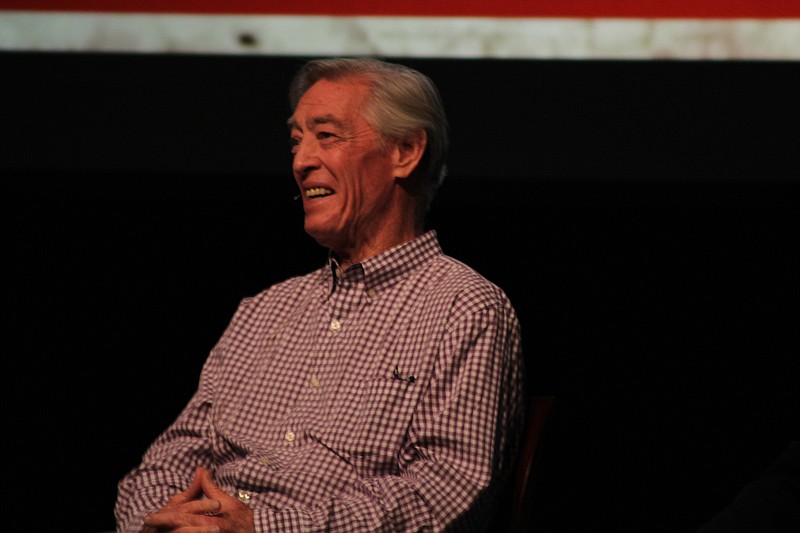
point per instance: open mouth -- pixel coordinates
(317, 192)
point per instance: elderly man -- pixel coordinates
(382, 392)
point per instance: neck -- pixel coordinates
(359, 251)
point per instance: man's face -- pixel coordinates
(343, 171)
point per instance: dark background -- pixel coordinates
(641, 215)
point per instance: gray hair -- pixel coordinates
(402, 101)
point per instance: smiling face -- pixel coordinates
(346, 174)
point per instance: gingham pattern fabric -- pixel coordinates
(388, 397)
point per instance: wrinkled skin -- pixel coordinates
(202, 508)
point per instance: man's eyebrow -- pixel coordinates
(316, 121)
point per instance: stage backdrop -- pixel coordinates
(577, 29)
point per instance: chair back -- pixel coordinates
(522, 502)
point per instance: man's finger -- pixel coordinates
(209, 488)
(191, 493)
(195, 513)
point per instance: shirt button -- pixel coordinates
(264, 460)
(336, 325)
(290, 435)
(315, 382)
(371, 293)
(243, 495)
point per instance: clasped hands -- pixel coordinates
(202, 508)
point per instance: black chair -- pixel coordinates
(523, 500)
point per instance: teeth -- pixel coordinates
(315, 192)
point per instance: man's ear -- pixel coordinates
(408, 153)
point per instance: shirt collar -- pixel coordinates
(387, 268)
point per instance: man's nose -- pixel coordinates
(305, 156)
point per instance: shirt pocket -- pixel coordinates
(372, 431)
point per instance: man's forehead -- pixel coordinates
(331, 101)
(311, 121)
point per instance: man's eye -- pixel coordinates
(325, 135)
(294, 143)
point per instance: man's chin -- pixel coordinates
(324, 236)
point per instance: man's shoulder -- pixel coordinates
(457, 291)
(448, 275)
(292, 284)
(452, 272)
(283, 293)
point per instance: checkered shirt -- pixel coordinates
(387, 397)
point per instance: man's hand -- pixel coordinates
(202, 508)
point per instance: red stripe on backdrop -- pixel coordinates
(758, 9)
